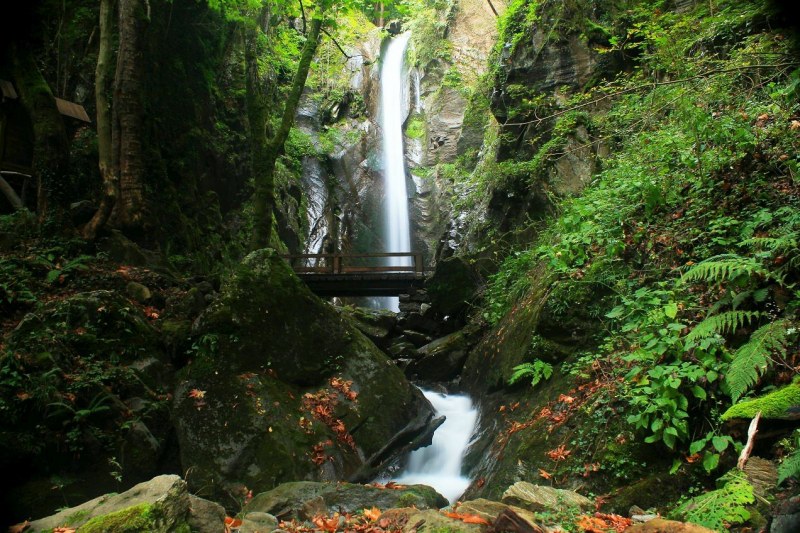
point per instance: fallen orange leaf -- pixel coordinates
(467, 518)
(373, 514)
(545, 474)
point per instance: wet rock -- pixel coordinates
(660, 525)
(304, 499)
(442, 359)
(416, 338)
(786, 516)
(123, 250)
(158, 505)
(271, 352)
(376, 324)
(453, 286)
(205, 516)
(539, 498)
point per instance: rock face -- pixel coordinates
(540, 498)
(305, 499)
(442, 359)
(285, 388)
(160, 505)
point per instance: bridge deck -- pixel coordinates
(330, 275)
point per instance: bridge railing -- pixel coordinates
(355, 263)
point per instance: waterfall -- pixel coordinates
(439, 465)
(397, 236)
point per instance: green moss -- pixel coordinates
(132, 519)
(77, 517)
(773, 405)
(416, 127)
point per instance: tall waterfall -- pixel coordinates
(439, 465)
(397, 236)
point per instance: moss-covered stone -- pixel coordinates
(130, 520)
(780, 404)
(453, 286)
(246, 406)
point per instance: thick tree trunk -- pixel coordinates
(264, 166)
(51, 147)
(108, 172)
(128, 114)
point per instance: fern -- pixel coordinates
(753, 358)
(721, 508)
(727, 322)
(536, 370)
(790, 467)
(724, 268)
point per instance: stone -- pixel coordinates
(540, 498)
(267, 341)
(205, 516)
(124, 251)
(490, 510)
(305, 499)
(416, 338)
(257, 522)
(137, 291)
(159, 505)
(660, 525)
(786, 516)
(81, 212)
(453, 286)
(442, 359)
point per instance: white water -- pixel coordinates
(439, 465)
(397, 236)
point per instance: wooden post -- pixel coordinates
(419, 267)
(337, 264)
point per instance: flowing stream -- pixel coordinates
(439, 465)
(397, 236)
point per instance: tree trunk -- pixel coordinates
(128, 114)
(108, 173)
(50, 144)
(264, 166)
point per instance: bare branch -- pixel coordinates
(496, 14)
(345, 54)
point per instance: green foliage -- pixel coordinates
(754, 357)
(537, 370)
(727, 267)
(790, 466)
(510, 283)
(727, 322)
(722, 508)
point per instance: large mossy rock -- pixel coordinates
(161, 505)
(284, 388)
(453, 286)
(442, 359)
(540, 498)
(304, 499)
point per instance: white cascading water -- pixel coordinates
(397, 236)
(439, 465)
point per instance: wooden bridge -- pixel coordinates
(384, 274)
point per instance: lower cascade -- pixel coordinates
(439, 465)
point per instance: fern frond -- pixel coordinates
(784, 243)
(721, 508)
(724, 268)
(790, 467)
(727, 322)
(754, 357)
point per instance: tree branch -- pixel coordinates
(652, 85)
(9, 193)
(345, 54)
(496, 14)
(303, 15)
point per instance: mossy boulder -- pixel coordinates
(283, 387)
(453, 286)
(442, 359)
(783, 403)
(161, 505)
(304, 499)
